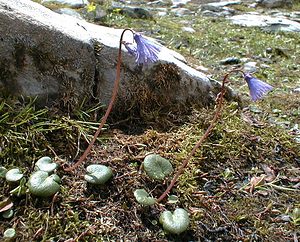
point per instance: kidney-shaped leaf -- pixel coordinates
(8, 214)
(296, 216)
(143, 197)
(98, 174)
(13, 175)
(157, 167)
(43, 185)
(3, 171)
(9, 233)
(172, 199)
(175, 223)
(45, 164)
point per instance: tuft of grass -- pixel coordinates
(243, 149)
(28, 132)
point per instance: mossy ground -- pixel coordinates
(216, 188)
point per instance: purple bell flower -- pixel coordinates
(257, 87)
(144, 51)
(130, 48)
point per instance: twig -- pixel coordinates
(84, 233)
(108, 110)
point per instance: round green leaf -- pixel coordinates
(45, 164)
(43, 185)
(173, 199)
(175, 223)
(143, 197)
(98, 174)
(157, 167)
(9, 233)
(8, 214)
(3, 171)
(296, 215)
(13, 175)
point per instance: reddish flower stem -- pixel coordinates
(220, 99)
(108, 110)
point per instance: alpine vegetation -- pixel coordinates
(146, 51)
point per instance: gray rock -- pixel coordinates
(280, 15)
(283, 218)
(297, 90)
(188, 29)
(218, 9)
(230, 61)
(160, 3)
(68, 3)
(218, 6)
(100, 13)
(202, 68)
(208, 7)
(179, 3)
(208, 13)
(275, 3)
(252, 5)
(250, 67)
(179, 12)
(62, 59)
(101, 2)
(227, 12)
(264, 66)
(133, 12)
(69, 11)
(266, 22)
(162, 13)
(295, 15)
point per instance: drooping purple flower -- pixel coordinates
(145, 51)
(131, 48)
(257, 87)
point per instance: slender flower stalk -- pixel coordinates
(257, 89)
(145, 51)
(219, 101)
